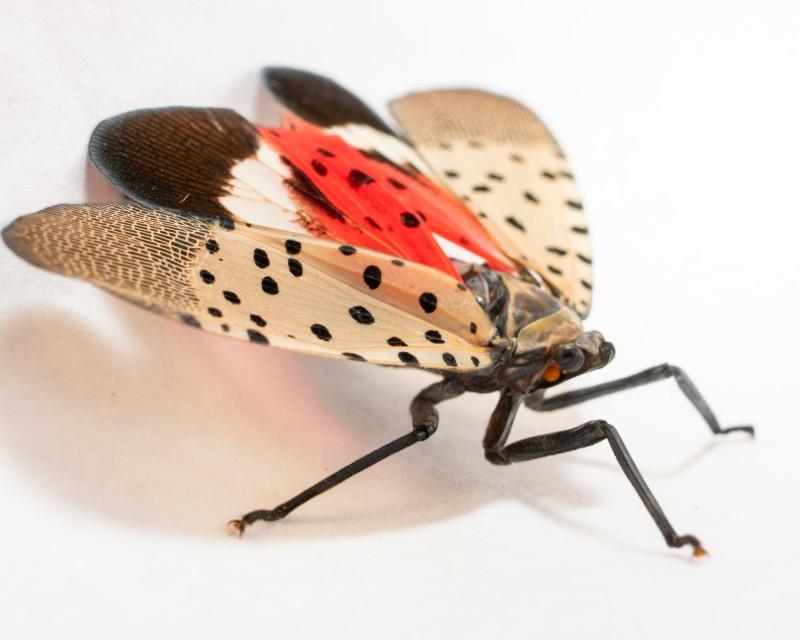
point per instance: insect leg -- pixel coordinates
(425, 420)
(653, 374)
(589, 433)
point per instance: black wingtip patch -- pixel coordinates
(318, 99)
(178, 158)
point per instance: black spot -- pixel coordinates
(582, 230)
(473, 328)
(353, 356)
(481, 188)
(548, 175)
(225, 327)
(394, 341)
(320, 168)
(584, 258)
(326, 153)
(449, 359)
(398, 263)
(495, 176)
(567, 175)
(231, 297)
(347, 250)
(574, 204)
(475, 361)
(587, 285)
(268, 285)
(372, 276)
(515, 223)
(406, 357)
(396, 183)
(409, 220)
(212, 245)
(295, 268)
(214, 312)
(481, 214)
(361, 315)
(358, 178)
(428, 302)
(292, 247)
(258, 320)
(189, 319)
(257, 336)
(531, 198)
(227, 223)
(557, 251)
(555, 270)
(321, 331)
(372, 223)
(207, 277)
(465, 198)
(451, 174)
(434, 336)
(261, 258)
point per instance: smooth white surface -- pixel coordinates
(127, 441)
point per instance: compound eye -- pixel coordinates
(568, 357)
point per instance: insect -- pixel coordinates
(460, 247)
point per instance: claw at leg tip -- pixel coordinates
(699, 552)
(238, 526)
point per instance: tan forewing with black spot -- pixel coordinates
(264, 285)
(503, 162)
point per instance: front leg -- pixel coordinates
(589, 433)
(538, 402)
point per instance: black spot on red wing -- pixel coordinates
(515, 223)
(292, 247)
(190, 320)
(295, 267)
(449, 359)
(409, 220)
(212, 245)
(574, 204)
(372, 223)
(398, 263)
(558, 251)
(326, 153)
(372, 276)
(396, 183)
(261, 258)
(407, 358)
(269, 286)
(231, 297)
(207, 277)
(531, 198)
(257, 336)
(473, 328)
(353, 356)
(434, 336)
(320, 168)
(258, 320)
(347, 250)
(475, 361)
(428, 302)
(321, 331)
(213, 311)
(394, 341)
(357, 178)
(361, 315)
(227, 224)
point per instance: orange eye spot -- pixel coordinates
(552, 374)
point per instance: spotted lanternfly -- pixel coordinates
(461, 248)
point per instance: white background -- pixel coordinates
(127, 441)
